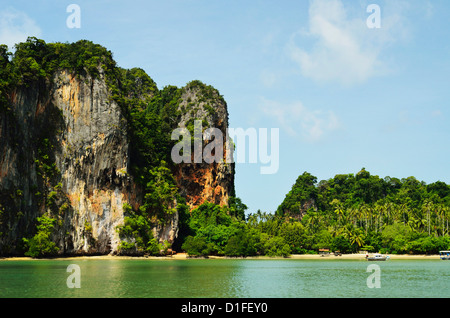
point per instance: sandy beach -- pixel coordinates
(181, 256)
(363, 256)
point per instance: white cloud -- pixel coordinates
(16, 26)
(268, 78)
(299, 121)
(436, 113)
(345, 49)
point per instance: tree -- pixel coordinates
(196, 246)
(160, 197)
(274, 246)
(237, 208)
(6, 76)
(395, 237)
(293, 233)
(342, 244)
(356, 238)
(427, 207)
(244, 243)
(41, 245)
(440, 188)
(339, 209)
(302, 191)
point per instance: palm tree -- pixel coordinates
(427, 206)
(353, 213)
(365, 214)
(356, 237)
(440, 215)
(446, 211)
(339, 210)
(252, 220)
(312, 220)
(389, 209)
(404, 211)
(378, 212)
(358, 215)
(369, 211)
(413, 223)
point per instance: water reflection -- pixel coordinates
(230, 278)
(156, 278)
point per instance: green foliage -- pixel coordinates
(150, 123)
(151, 116)
(303, 190)
(197, 246)
(34, 59)
(138, 84)
(161, 192)
(41, 245)
(294, 235)
(160, 201)
(274, 246)
(342, 244)
(351, 212)
(209, 214)
(45, 164)
(244, 243)
(221, 230)
(6, 77)
(213, 223)
(137, 228)
(207, 92)
(237, 208)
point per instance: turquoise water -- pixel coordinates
(224, 278)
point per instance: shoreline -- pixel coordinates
(183, 256)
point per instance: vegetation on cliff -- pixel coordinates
(41, 244)
(149, 116)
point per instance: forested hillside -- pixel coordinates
(351, 212)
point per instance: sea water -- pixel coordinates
(223, 278)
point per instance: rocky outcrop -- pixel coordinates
(74, 150)
(93, 161)
(205, 182)
(64, 151)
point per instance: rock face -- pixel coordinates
(93, 161)
(201, 182)
(64, 150)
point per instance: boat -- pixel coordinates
(444, 255)
(377, 257)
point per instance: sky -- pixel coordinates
(344, 91)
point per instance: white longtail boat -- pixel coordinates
(377, 257)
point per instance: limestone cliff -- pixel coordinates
(71, 123)
(65, 152)
(200, 182)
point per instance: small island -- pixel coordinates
(87, 171)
